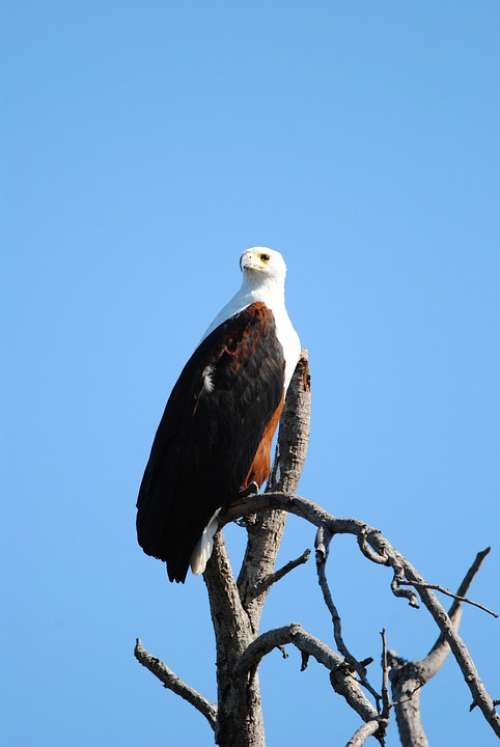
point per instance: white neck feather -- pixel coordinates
(254, 288)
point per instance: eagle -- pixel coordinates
(214, 440)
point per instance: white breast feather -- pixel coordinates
(208, 382)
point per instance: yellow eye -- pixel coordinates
(265, 257)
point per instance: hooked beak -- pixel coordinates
(248, 261)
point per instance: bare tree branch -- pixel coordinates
(344, 683)
(365, 730)
(278, 637)
(408, 594)
(172, 682)
(434, 660)
(322, 544)
(407, 677)
(443, 590)
(272, 578)
(479, 693)
(341, 675)
(368, 551)
(403, 570)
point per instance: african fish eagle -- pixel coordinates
(214, 440)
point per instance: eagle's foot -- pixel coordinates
(251, 489)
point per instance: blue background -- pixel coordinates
(145, 145)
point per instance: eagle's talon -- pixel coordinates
(251, 489)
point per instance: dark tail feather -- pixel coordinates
(177, 568)
(175, 551)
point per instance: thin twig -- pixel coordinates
(172, 682)
(272, 578)
(443, 590)
(468, 579)
(322, 544)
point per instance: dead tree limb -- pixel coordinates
(322, 544)
(440, 650)
(341, 676)
(408, 677)
(172, 682)
(448, 593)
(369, 729)
(273, 578)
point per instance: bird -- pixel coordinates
(214, 439)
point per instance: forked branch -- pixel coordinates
(365, 730)
(322, 544)
(341, 676)
(448, 593)
(273, 578)
(408, 677)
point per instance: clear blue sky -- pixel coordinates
(145, 145)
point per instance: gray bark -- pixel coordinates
(365, 730)
(239, 718)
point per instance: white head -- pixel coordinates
(264, 272)
(261, 265)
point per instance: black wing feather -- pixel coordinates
(208, 437)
